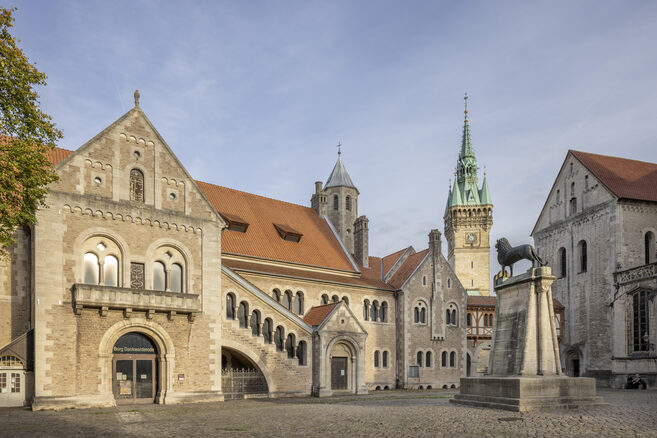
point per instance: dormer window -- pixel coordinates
(288, 233)
(234, 222)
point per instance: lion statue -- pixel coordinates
(508, 255)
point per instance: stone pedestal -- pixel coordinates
(525, 368)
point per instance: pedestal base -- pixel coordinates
(523, 394)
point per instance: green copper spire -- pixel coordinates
(466, 187)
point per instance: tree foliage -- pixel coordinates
(27, 136)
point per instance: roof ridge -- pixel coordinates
(574, 152)
(255, 194)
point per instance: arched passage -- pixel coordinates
(242, 374)
(134, 369)
(573, 360)
(343, 365)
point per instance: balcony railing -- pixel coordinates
(129, 300)
(635, 274)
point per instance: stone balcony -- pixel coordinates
(639, 273)
(129, 300)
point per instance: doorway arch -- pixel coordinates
(573, 363)
(241, 376)
(134, 369)
(342, 365)
(164, 356)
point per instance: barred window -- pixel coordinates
(640, 333)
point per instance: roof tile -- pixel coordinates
(407, 268)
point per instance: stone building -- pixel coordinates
(597, 230)
(141, 284)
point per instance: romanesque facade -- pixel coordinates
(141, 284)
(597, 230)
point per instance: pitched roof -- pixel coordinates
(389, 261)
(365, 280)
(58, 154)
(316, 315)
(339, 176)
(625, 178)
(491, 301)
(407, 268)
(373, 274)
(318, 247)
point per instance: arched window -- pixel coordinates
(336, 202)
(448, 315)
(348, 202)
(255, 323)
(366, 310)
(563, 266)
(649, 244)
(287, 300)
(376, 359)
(298, 303)
(111, 268)
(136, 185)
(443, 359)
(449, 283)
(335, 299)
(346, 300)
(640, 315)
(91, 268)
(289, 346)
(375, 311)
(301, 352)
(276, 295)
(423, 315)
(385, 359)
(416, 315)
(279, 338)
(325, 299)
(266, 330)
(452, 359)
(573, 206)
(468, 320)
(486, 320)
(243, 314)
(159, 276)
(427, 359)
(176, 281)
(582, 256)
(424, 280)
(384, 311)
(419, 359)
(454, 320)
(230, 306)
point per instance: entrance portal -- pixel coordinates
(338, 373)
(134, 369)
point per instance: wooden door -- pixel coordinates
(339, 373)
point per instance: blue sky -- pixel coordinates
(255, 95)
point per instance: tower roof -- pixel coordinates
(339, 176)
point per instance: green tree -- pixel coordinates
(27, 136)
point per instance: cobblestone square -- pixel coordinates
(382, 414)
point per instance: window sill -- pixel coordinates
(129, 300)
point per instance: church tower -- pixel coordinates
(468, 220)
(338, 201)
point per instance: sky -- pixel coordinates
(255, 95)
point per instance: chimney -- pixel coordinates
(361, 238)
(435, 242)
(318, 200)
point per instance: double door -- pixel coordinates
(338, 373)
(134, 378)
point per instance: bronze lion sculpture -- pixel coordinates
(508, 255)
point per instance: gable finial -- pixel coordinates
(339, 151)
(466, 106)
(136, 97)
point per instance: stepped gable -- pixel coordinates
(407, 268)
(625, 178)
(317, 246)
(389, 261)
(317, 314)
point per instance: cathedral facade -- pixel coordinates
(141, 284)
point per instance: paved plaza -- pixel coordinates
(381, 414)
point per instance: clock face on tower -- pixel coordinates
(471, 238)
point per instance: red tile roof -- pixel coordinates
(407, 268)
(628, 179)
(58, 154)
(390, 260)
(316, 315)
(318, 247)
(364, 280)
(373, 272)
